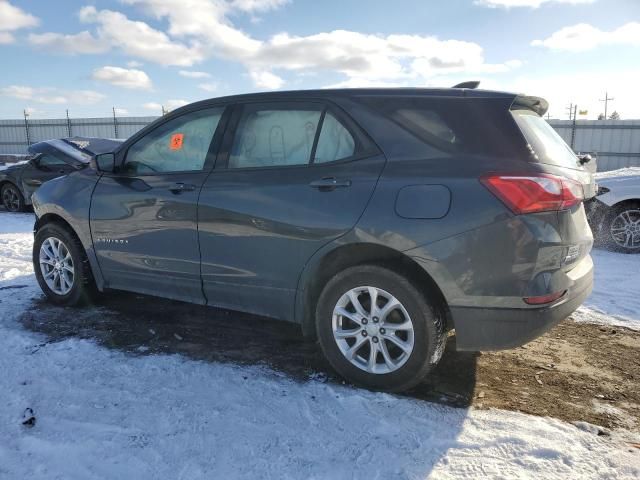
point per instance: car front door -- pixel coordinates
(290, 178)
(144, 216)
(42, 169)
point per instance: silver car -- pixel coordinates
(614, 214)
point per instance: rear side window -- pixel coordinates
(273, 137)
(474, 126)
(335, 141)
(51, 160)
(547, 145)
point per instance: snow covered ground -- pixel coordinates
(102, 413)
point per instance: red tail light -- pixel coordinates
(534, 193)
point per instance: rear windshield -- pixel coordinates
(453, 125)
(548, 146)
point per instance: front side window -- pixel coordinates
(335, 141)
(48, 160)
(268, 137)
(178, 145)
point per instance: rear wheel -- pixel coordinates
(61, 266)
(12, 199)
(622, 228)
(377, 330)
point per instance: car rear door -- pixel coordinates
(291, 177)
(144, 217)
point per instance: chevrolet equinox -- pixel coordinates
(377, 219)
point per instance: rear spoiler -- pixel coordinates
(537, 104)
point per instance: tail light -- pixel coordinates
(541, 300)
(534, 193)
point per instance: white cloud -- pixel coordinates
(265, 79)
(79, 43)
(122, 77)
(168, 105)
(121, 111)
(199, 29)
(208, 87)
(192, 74)
(51, 95)
(583, 37)
(526, 3)
(13, 18)
(134, 64)
(257, 5)
(152, 106)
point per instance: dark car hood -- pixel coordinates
(76, 151)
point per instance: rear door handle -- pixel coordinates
(182, 187)
(329, 183)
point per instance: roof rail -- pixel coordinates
(473, 84)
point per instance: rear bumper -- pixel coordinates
(503, 328)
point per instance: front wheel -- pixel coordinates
(61, 266)
(377, 330)
(12, 199)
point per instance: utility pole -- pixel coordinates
(573, 126)
(606, 101)
(68, 124)
(115, 122)
(570, 109)
(164, 112)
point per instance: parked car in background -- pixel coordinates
(614, 214)
(377, 219)
(49, 159)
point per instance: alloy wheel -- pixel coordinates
(56, 266)
(11, 199)
(373, 330)
(625, 229)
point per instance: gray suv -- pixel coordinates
(379, 220)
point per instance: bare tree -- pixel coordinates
(614, 116)
(601, 116)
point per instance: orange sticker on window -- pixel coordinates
(176, 141)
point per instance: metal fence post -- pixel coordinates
(68, 124)
(115, 122)
(26, 128)
(573, 126)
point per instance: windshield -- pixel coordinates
(546, 143)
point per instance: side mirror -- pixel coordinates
(104, 162)
(35, 160)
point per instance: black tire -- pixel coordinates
(632, 209)
(83, 289)
(428, 328)
(12, 198)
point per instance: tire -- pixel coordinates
(621, 228)
(82, 288)
(408, 366)
(12, 198)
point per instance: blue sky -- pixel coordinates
(136, 55)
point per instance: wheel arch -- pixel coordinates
(48, 218)
(326, 264)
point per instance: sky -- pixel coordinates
(139, 56)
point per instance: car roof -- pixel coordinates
(356, 92)
(537, 104)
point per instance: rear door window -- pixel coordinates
(335, 141)
(274, 135)
(547, 145)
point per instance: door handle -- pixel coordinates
(329, 183)
(182, 187)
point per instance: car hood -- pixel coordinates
(11, 167)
